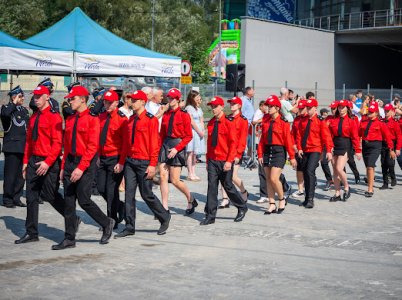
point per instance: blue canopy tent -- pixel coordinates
(17, 56)
(97, 51)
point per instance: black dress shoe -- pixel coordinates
(164, 226)
(207, 221)
(393, 182)
(365, 180)
(122, 212)
(9, 205)
(191, 210)
(124, 233)
(27, 239)
(346, 195)
(241, 213)
(107, 232)
(327, 186)
(357, 179)
(20, 204)
(335, 198)
(303, 203)
(384, 187)
(309, 204)
(64, 245)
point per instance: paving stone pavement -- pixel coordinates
(339, 250)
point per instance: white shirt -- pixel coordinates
(153, 108)
(126, 111)
(356, 111)
(286, 110)
(258, 115)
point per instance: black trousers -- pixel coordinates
(134, 175)
(108, 183)
(80, 190)
(263, 181)
(352, 163)
(216, 175)
(46, 186)
(309, 164)
(13, 184)
(387, 165)
(325, 165)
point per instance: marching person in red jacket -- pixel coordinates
(387, 163)
(302, 114)
(275, 141)
(240, 124)
(141, 144)
(373, 133)
(110, 147)
(41, 162)
(176, 133)
(221, 153)
(312, 135)
(345, 134)
(78, 167)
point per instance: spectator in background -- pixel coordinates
(154, 105)
(364, 106)
(397, 105)
(287, 109)
(359, 98)
(197, 144)
(381, 107)
(248, 107)
(291, 96)
(355, 109)
(126, 108)
(149, 92)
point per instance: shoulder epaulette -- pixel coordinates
(121, 114)
(149, 115)
(284, 119)
(230, 118)
(94, 114)
(243, 117)
(320, 118)
(183, 110)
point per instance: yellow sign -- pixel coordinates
(186, 80)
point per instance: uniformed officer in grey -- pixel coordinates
(14, 118)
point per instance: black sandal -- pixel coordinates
(267, 212)
(280, 210)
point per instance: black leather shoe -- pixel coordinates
(27, 239)
(327, 186)
(335, 198)
(20, 204)
(9, 205)
(207, 221)
(393, 182)
(309, 204)
(164, 226)
(241, 213)
(124, 233)
(346, 195)
(384, 187)
(77, 224)
(280, 210)
(122, 212)
(107, 232)
(191, 210)
(303, 203)
(357, 179)
(368, 194)
(64, 245)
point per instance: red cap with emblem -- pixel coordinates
(138, 95)
(77, 90)
(273, 100)
(334, 104)
(312, 102)
(235, 100)
(373, 107)
(388, 107)
(174, 93)
(302, 104)
(217, 101)
(41, 90)
(111, 96)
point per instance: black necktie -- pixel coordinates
(74, 136)
(366, 131)
(35, 132)
(340, 127)
(271, 126)
(104, 131)
(214, 142)
(133, 132)
(306, 133)
(170, 127)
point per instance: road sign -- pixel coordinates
(186, 80)
(185, 68)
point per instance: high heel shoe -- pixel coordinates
(268, 212)
(191, 210)
(346, 195)
(335, 198)
(280, 210)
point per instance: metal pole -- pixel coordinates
(286, 84)
(315, 89)
(392, 92)
(368, 88)
(344, 91)
(153, 24)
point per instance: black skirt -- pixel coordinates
(341, 145)
(274, 156)
(179, 160)
(371, 152)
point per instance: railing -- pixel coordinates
(365, 19)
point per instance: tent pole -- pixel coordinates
(11, 82)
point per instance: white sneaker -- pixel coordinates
(298, 194)
(262, 200)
